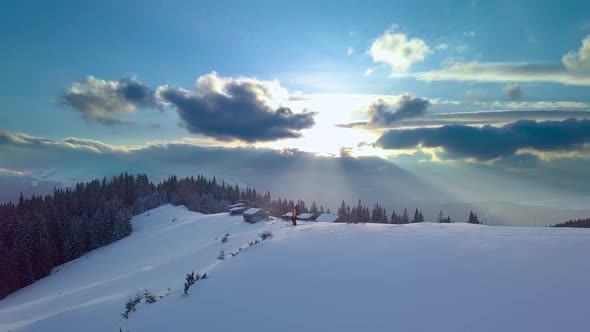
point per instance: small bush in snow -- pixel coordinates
(130, 305)
(149, 297)
(221, 255)
(225, 238)
(189, 281)
(265, 235)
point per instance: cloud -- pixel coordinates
(244, 109)
(513, 92)
(573, 70)
(346, 152)
(488, 142)
(579, 60)
(104, 101)
(369, 72)
(469, 33)
(71, 160)
(441, 47)
(397, 50)
(384, 112)
(475, 95)
(350, 51)
(480, 118)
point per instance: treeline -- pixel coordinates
(377, 214)
(582, 223)
(39, 233)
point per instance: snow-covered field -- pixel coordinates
(317, 277)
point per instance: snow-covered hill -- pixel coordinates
(316, 277)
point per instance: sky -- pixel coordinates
(456, 94)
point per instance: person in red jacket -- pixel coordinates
(294, 216)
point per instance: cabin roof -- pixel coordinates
(327, 217)
(252, 210)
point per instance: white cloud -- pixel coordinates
(573, 70)
(469, 33)
(397, 50)
(369, 72)
(350, 51)
(578, 60)
(441, 47)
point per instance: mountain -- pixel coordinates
(315, 277)
(13, 185)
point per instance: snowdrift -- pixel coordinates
(316, 277)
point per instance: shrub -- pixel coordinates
(221, 255)
(130, 305)
(265, 235)
(225, 238)
(189, 281)
(149, 297)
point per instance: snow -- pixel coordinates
(305, 216)
(327, 217)
(236, 205)
(237, 208)
(252, 210)
(316, 277)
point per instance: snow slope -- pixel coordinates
(317, 277)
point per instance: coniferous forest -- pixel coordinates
(581, 223)
(40, 233)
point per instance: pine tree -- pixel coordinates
(314, 209)
(473, 219)
(416, 217)
(9, 280)
(394, 218)
(122, 225)
(23, 252)
(342, 212)
(405, 218)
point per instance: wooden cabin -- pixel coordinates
(237, 210)
(254, 215)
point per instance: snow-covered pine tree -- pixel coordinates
(405, 218)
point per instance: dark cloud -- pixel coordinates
(235, 109)
(481, 118)
(105, 101)
(513, 92)
(137, 93)
(384, 113)
(488, 142)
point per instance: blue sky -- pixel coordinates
(362, 71)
